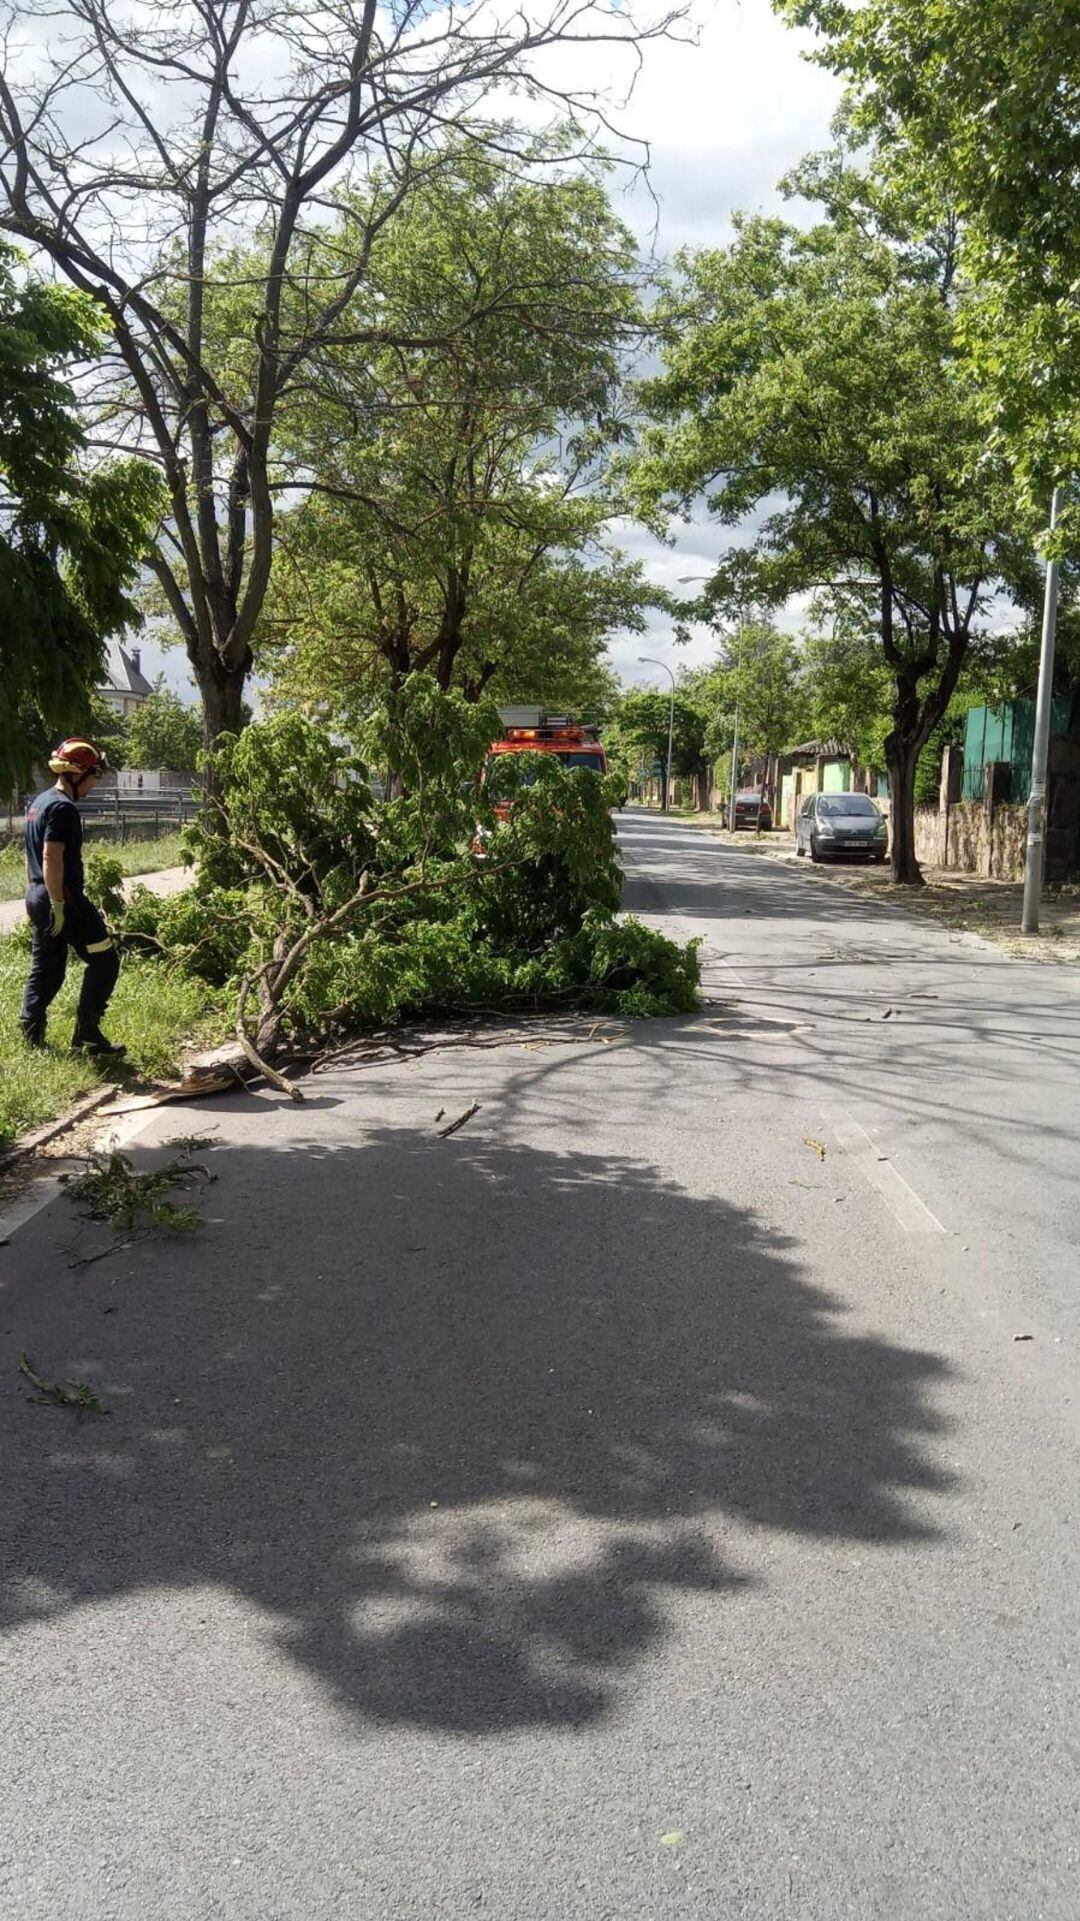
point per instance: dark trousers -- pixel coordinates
(86, 932)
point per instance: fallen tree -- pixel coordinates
(325, 909)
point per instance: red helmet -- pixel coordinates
(77, 757)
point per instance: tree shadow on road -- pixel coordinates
(463, 1417)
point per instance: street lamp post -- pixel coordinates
(1036, 828)
(734, 754)
(735, 737)
(646, 660)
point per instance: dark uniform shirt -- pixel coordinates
(51, 816)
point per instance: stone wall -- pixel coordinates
(929, 839)
(965, 836)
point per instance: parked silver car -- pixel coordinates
(841, 827)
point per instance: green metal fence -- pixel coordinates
(1008, 734)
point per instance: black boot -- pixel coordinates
(88, 1038)
(33, 1032)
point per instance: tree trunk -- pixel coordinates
(222, 691)
(902, 759)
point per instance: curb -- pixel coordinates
(51, 1130)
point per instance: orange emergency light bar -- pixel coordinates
(558, 730)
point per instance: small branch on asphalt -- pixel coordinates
(445, 1132)
(77, 1394)
(87, 1260)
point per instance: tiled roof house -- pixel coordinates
(125, 686)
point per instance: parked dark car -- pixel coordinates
(752, 810)
(841, 827)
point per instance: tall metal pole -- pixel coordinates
(647, 661)
(1036, 831)
(735, 740)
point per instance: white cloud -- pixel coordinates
(726, 120)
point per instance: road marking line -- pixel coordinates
(898, 1195)
(718, 961)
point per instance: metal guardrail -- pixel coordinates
(135, 800)
(143, 823)
(126, 817)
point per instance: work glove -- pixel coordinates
(56, 920)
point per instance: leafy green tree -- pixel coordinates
(107, 729)
(459, 489)
(70, 542)
(163, 732)
(813, 389)
(327, 909)
(981, 90)
(639, 732)
(759, 672)
(848, 690)
(1006, 666)
(977, 99)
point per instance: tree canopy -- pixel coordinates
(459, 483)
(979, 101)
(638, 733)
(70, 542)
(759, 671)
(848, 690)
(163, 732)
(813, 390)
(985, 92)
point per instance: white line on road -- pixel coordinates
(898, 1195)
(739, 979)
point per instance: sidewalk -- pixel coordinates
(168, 880)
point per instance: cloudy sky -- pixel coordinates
(725, 119)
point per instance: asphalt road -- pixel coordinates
(636, 1505)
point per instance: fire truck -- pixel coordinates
(531, 731)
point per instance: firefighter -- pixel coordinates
(57, 907)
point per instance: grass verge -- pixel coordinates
(135, 857)
(154, 1011)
